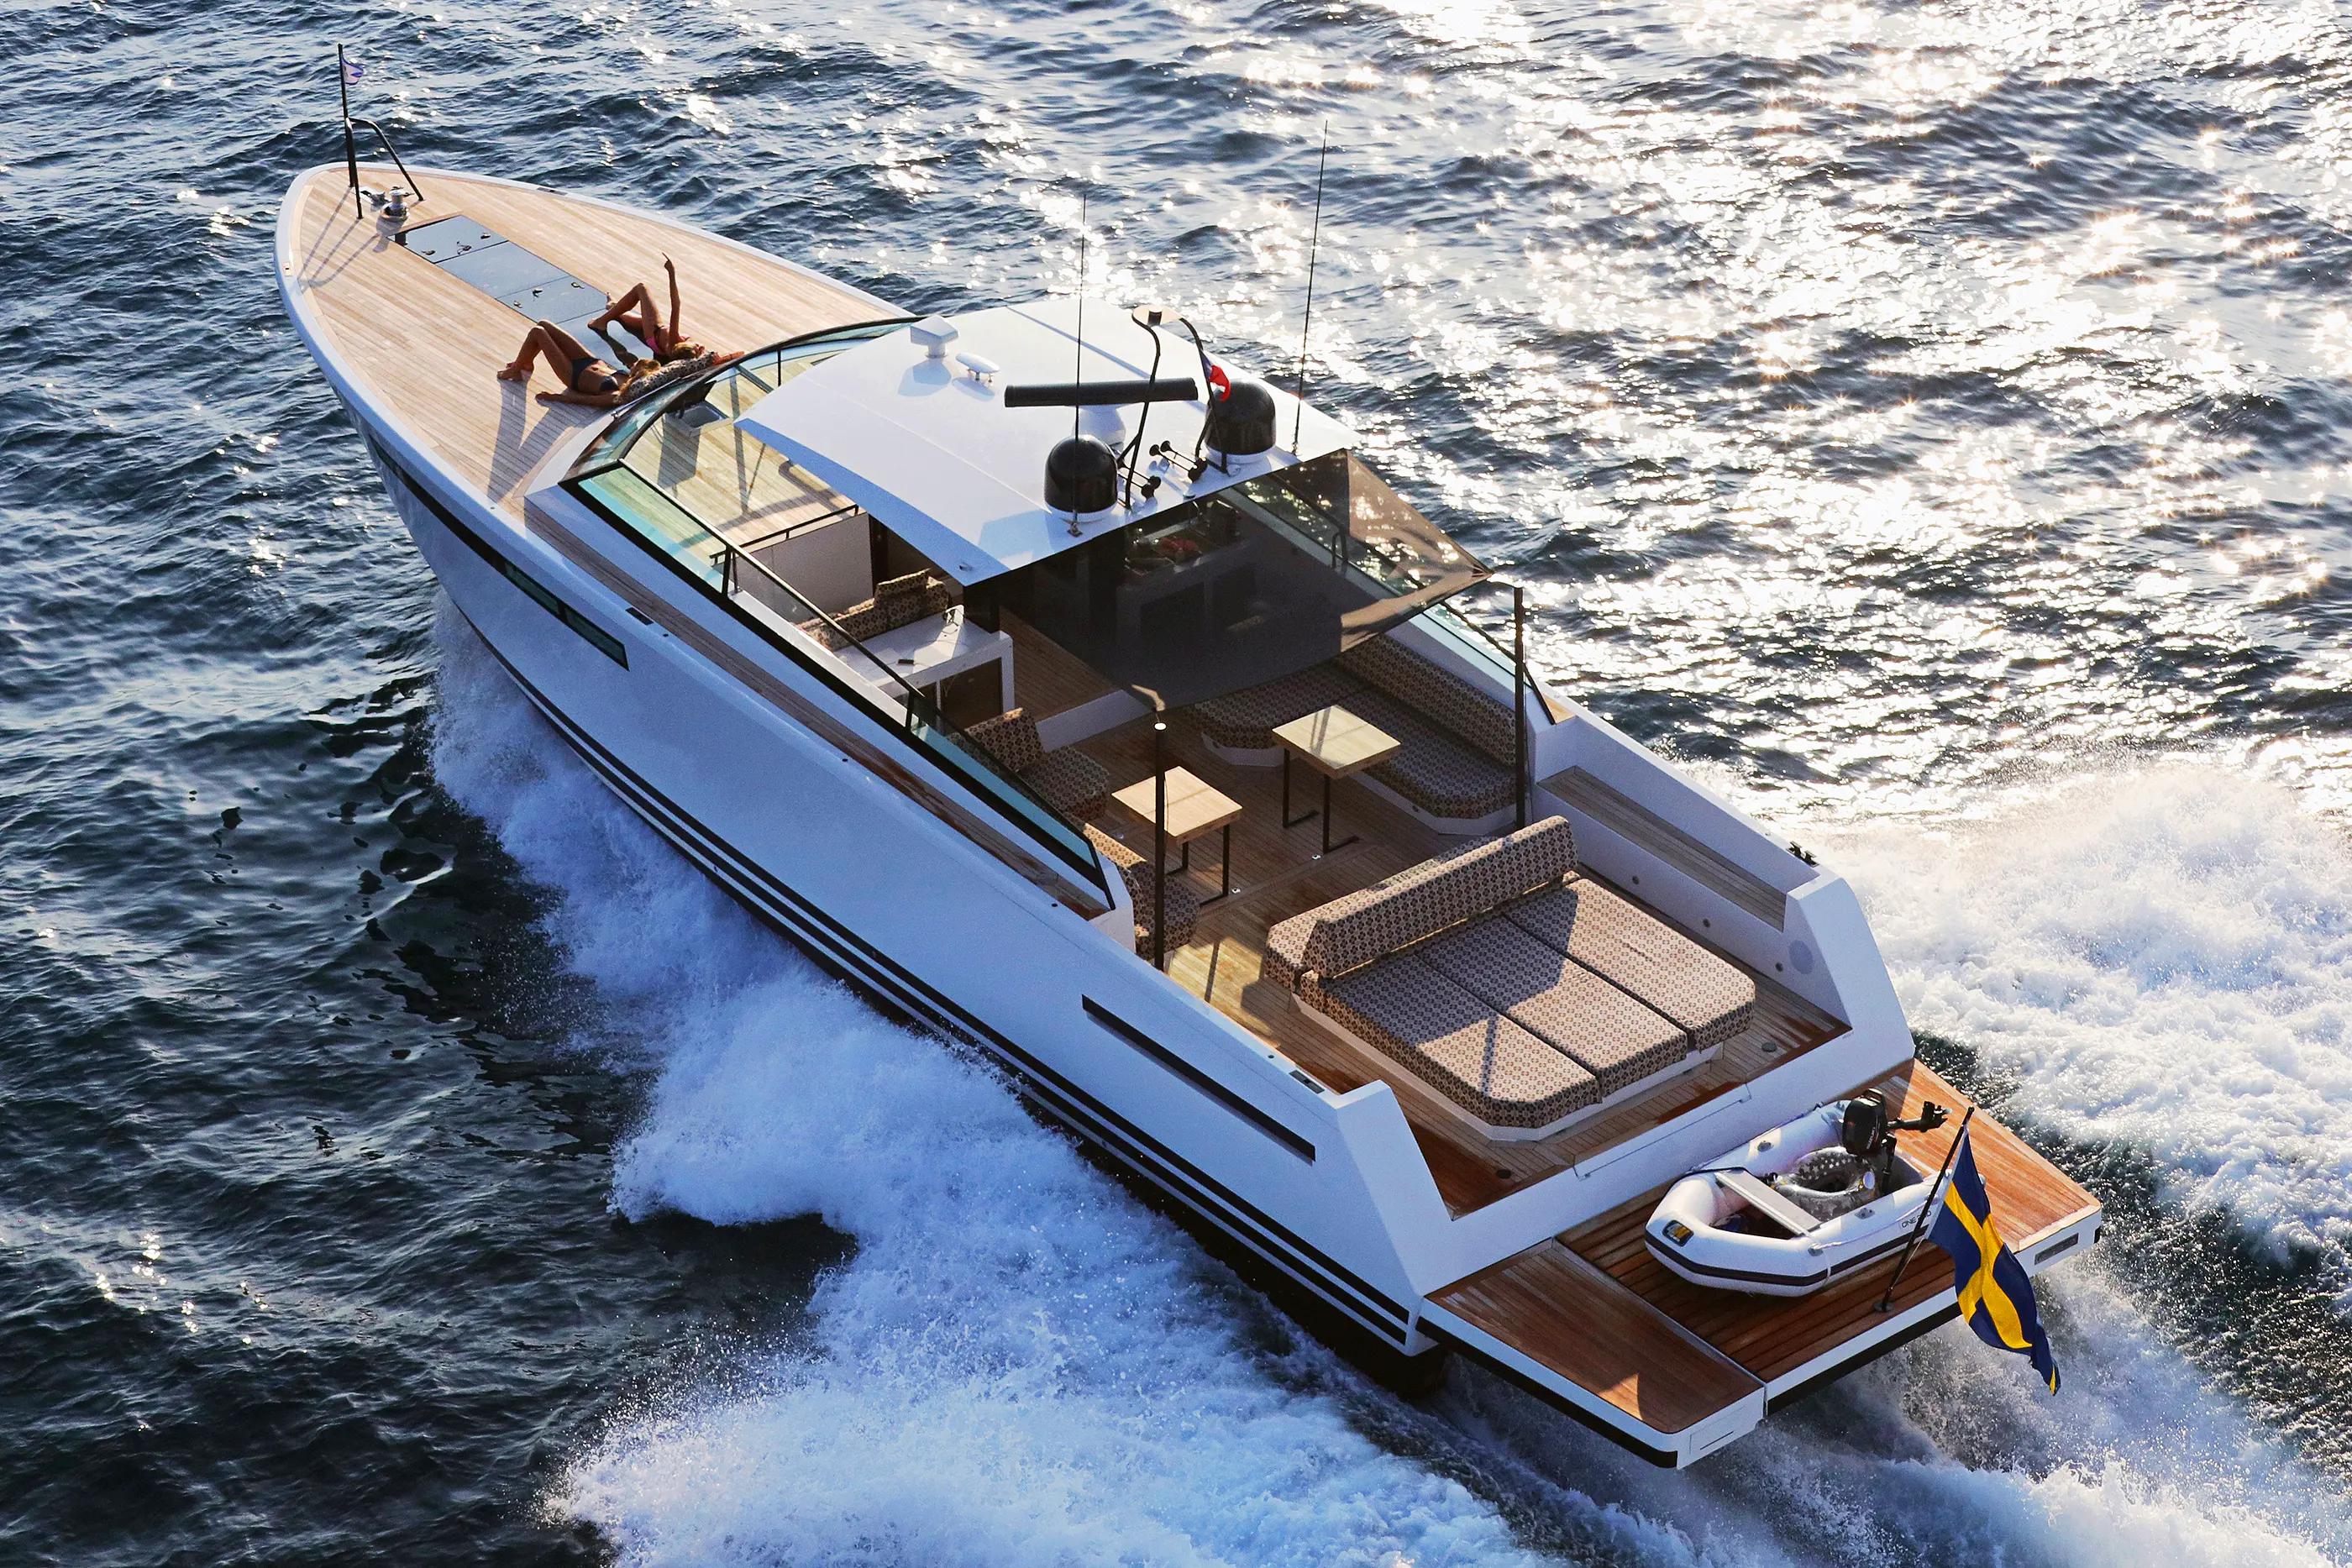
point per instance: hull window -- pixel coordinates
(587, 631)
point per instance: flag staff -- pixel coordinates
(1925, 1208)
(350, 147)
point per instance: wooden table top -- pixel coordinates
(1338, 742)
(1194, 806)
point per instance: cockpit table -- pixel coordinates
(1337, 744)
(1195, 810)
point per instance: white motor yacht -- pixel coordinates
(1084, 699)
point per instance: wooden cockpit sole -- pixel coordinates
(1592, 1307)
(1278, 873)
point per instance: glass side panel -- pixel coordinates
(759, 373)
(657, 517)
(965, 757)
(1450, 627)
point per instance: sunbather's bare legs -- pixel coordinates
(564, 355)
(662, 338)
(646, 325)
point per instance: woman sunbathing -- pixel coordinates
(662, 338)
(586, 378)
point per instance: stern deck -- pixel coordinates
(1591, 1307)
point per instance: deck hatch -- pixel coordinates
(521, 280)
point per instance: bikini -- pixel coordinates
(607, 383)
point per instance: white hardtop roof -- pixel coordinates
(929, 449)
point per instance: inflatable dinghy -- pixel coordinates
(1807, 1203)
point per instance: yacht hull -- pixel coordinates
(754, 755)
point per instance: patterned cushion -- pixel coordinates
(1286, 950)
(1467, 880)
(1439, 696)
(1627, 946)
(1135, 869)
(1481, 1061)
(1072, 782)
(912, 583)
(1559, 1001)
(1012, 739)
(1443, 775)
(897, 602)
(1246, 721)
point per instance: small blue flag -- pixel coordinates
(1995, 1297)
(352, 71)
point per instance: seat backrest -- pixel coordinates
(1438, 695)
(1012, 739)
(1423, 900)
(897, 602)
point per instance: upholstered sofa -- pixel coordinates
(1459, 745)
(1072, 782)
(1135, 869)
(897, 602)
(1525, 995)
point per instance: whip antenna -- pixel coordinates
(1078, 352)
(1314, 241)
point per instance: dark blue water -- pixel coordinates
(1926, 421)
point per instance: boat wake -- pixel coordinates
(1021, 1363)
(2155, 958)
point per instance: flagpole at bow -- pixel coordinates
(350, 147)
(1926, 1209)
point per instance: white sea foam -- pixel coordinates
(2159, 955)
(1022, 1364)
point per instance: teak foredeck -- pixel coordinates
(369, 291)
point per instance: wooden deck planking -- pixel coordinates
(1555, 1308)
(1771, 1337)
(428, 346)
(1277, 874)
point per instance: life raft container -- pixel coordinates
(1798, 1207)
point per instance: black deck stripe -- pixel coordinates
(913, 993)
(1199, 1079)
(538, 592)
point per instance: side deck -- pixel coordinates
(1591, 1307)
(427, 346)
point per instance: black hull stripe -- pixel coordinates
(807, 924)
(1861, 1357)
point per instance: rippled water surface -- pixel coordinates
(1926, 420)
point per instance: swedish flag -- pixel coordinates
(1995, 1297)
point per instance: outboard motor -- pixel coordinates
(1081, 476)
(1868, 1132)
(1864, 1127)
(1241, 420)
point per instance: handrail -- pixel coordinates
(936, 718)
(788, 529)
(916, 707)
(391, 152)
